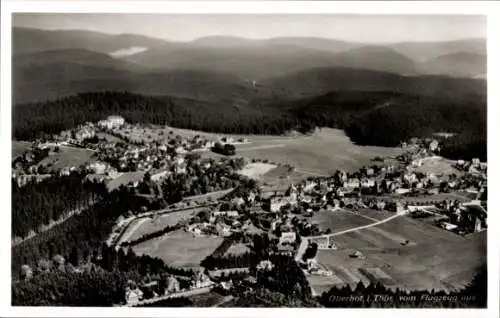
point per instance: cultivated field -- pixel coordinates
(144, 226)
(408, 254)
(19, 147)
(179, 248)
(68, 157)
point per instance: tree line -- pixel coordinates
(152, 235)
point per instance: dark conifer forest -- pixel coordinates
(37, 204)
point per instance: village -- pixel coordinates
(390, 187)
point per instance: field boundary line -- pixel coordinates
(360, 227)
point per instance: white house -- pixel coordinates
(133, 296)
(288, 237)
(112, 122)
(352, 183)
(226, 213)
(265, 265)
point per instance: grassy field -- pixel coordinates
(434, 258)
(108, 137)
(256, 170)
(454, 195)
(321, 153)
(124, 179)
(206, 300)
(277, 179)
(19, 147)
(158, 223)
(68, 157)
(375, 214)
(321, 284)
(437, 165)
(339, 220)
(318, 154)
(179, 248)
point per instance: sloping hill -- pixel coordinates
(27, 40)
(375, 58)
(456, 64)
(263, 59)
(319, 81)
(52, 80)
(423, 51)
(312, 43)
(246, 61)
(248, 58)
(73, 56)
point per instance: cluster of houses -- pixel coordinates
(460, 217)
(220, 223)
(134, 293)
(367, 187)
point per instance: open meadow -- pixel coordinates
(179, 248)
(339, 220)
(437, 165)
(108, 137)
(68, 157)
(19, 147)
(124, 179)
(152, 224)
(257, 169)
(407, 254)
(279, 179)
(320, 153)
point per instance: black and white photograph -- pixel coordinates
(247, 160)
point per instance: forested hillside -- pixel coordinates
(368, 118)
(38, 204)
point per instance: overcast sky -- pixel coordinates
(362, 28)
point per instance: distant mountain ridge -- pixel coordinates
(28, 40)
(256, 58)
(52, 64)
(460, 64)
